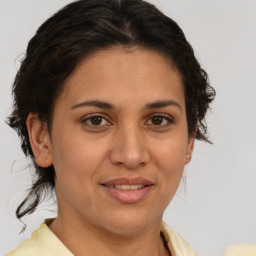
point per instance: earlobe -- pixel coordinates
(39, 140)
(190, 149)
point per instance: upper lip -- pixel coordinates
(128, 181)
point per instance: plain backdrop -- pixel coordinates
(216, 203)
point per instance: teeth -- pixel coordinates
(128, 187)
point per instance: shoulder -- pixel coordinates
(177, 245)
(43, 242)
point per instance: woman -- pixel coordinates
(108, 102)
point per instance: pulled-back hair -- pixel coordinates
(78, 30)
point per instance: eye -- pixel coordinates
(160, 121)
(95, 121)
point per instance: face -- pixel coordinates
(119, 140)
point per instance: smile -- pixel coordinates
(127, 187)
(128, 190)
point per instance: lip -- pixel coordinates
(128, 181)
(128, 196)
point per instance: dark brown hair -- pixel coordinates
(79, 29)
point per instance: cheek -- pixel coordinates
(170, 154)
(170, 163)
(76, 165)
(77, 159)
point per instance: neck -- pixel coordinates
(83, 240)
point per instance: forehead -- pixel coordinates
(115, 74)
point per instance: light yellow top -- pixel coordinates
(241, 250)
(44, 242)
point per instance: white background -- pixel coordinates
(218, 205)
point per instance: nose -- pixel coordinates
(129, 148)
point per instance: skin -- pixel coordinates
(128, 142)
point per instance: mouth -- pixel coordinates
(128, 191)
(127, 187)
(128, 183)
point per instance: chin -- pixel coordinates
(129, 223)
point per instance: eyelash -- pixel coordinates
(164, 118)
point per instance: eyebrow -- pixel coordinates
(94, 103)
(106, 105)
(162, 104)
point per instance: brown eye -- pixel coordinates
(96, 120)
(157, 120)
(160, 121)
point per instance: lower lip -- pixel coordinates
(128, 196)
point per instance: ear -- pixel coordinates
(190, 148)
(39, 140)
